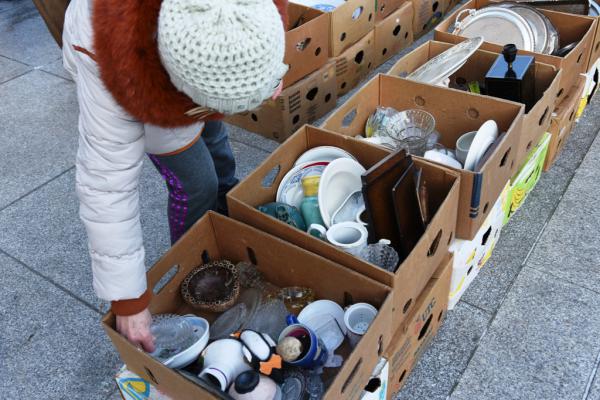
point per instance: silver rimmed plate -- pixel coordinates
(496, 25)
(445, 64)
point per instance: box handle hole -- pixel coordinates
(469, 270)
(485, 207)
(579, 58)
(425, 327)
(543, 117)
(434, 245)
(419, 101)
(380, 345)
(486, 236)
(317, 51)
(397, 30)
(350, 117)
(150, 375)
(505, 157)
(166, 278)
(312, 93)
(254, 117)
(358, 58)
(529, 145)
(205, 257)
(571, 115)
(406, 306)
(560, 92)
(440, 316)
(351, 376)
(435, 6)
(384, 51)
(402, 376)
(357, 13)
(296, 119)
(251, 255)
(343, 36)
(269, 179)
(450, 238)
(303, 44)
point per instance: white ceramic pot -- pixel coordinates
(224, 360)
(350, 237)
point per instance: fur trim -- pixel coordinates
(127, 56)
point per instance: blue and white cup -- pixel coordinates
(315, 353)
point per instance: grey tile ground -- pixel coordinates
(443, 362)
(516, 241)
(24, 36)
(38, 132)
(569, 248)
(542, 343)
(51, 345)
(57, 68)
(594, 393)
(252, 139)
(10, 69)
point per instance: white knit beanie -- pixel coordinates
(226, 55)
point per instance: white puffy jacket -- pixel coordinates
(109, 161)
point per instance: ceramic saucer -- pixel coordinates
(290, 189)
(442, 158)
(340, 179)
(323, 153)
(485, 137)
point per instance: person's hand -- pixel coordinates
(136, 328)
(278, 90)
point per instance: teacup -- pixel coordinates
(463, 144)
(358, 317)
(350, 237)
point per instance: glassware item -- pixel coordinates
(270, 318)
(310, 204)
(296, 298)
(171, 336)
(250, 276)
(377, 122)
(314, 385)
(381, 254)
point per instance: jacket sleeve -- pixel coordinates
(108, 166)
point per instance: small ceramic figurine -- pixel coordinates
(250, 385)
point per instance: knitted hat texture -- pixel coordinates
(226, 55)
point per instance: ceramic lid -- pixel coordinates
(445, 64)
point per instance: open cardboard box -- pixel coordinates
(303, 102)
(383, 8)
(215, 237)
(412, 275)
(547, 82)
(455, 113)
(393, 33)
(563, 121)
(306, 42)
(355, 63)
(412, 338)
(571, 28)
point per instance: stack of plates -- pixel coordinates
(515, 23)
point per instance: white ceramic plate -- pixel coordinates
(442, 159)
(340, 179)
(323, 153)
(445, 64)
(290, 189)
(485, 137)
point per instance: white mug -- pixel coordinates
(357, 318)
(350, 237)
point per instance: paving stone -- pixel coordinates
(57, 68)
(569, 247)
(582, 137)
(10, 69)
(252, 139)
(24, 36)
(518, 237)
(443, 363)
(38, 132)
(594, 393)
(52, 346)
(247, 158)
(542, 343)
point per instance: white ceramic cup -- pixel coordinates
(224, 360)
(357, 318)
(463, 144)
(350, 237)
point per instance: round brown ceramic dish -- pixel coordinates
(214, 286)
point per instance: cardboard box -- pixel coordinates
(471, 255)
(383, 8)
(563, 120)
(547, 82)
(595, 53)
(528, 176)
(412, 275)
(393, 33)
(306, 42)
(303, 102)
(414, 336)
(349, 23)
(377, 388)
(355, 64)
(427, 14)
(215, 237)
(571, 28)
(455, 113)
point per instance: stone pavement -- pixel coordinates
(526, 329)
